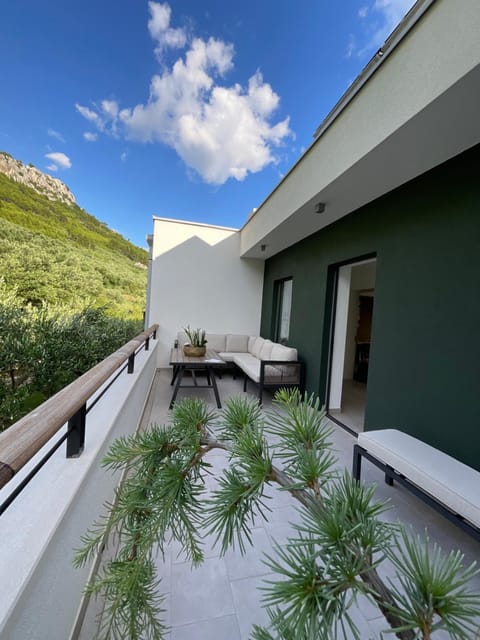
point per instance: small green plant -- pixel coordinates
(333, 557)
(196, 337)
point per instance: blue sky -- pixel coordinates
(191, 110)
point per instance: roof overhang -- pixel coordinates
(419, 109)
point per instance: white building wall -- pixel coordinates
(199, 279)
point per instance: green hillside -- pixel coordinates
(60, 254)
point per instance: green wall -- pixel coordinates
(424, 372)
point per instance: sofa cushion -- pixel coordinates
(249, 364)
(228, 356)
(237, 343)
(279, 352)
(266, 350)
(257, 347)
(216, 341)
(251, 342)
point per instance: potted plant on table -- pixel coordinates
(197, 341)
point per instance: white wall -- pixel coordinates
(198, 278)
(41, 591)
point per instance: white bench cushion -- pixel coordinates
(450, 481)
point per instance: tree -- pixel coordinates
(333, 557)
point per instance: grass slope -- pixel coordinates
(60, 254)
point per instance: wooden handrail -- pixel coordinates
(20, 442)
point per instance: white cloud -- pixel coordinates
(123, 156)
(90, 136)
(379, 19)
(351, 46)
(88, 114)
(219, 131)
(59, 160)
(160, 30)
(55, 134)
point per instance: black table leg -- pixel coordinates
(175, 373)
(211, 373)
(179, 374)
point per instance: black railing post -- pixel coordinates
(76, 433)
(131, 363)
(147, 343)
(155, 334)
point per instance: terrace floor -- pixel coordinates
(220, 599)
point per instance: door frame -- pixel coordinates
(329, 328)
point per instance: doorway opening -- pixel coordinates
(350, 347)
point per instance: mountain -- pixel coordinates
(53, 251)
(32, 177)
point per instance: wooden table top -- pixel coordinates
(211, 358)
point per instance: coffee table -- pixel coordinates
(181, 363)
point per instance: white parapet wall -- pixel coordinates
(41, 591)
(198, 278)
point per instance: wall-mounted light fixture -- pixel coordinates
(263, 247)
(320, 207)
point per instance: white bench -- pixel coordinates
(446, 484)
(262, 361)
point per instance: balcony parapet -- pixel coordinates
(42, 594)
(25, 438)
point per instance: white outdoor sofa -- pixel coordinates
(444, 483)
(262, 361)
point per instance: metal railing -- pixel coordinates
(24, 439)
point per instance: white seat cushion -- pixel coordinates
(450, 481)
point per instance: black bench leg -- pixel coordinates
(389, 475)
(260, 393)
(357, 461)
(245, 382)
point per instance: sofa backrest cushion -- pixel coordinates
(266, 350)
(279, 352)
(216, 341)
(236, 343)
(251, 342)
(257, 347)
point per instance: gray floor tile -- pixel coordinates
(247, 599)
(200, 594)
(251, 563)
(224, 628)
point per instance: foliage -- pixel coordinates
(330, 561)
(196, 336)
(59, 254)
(45, 348)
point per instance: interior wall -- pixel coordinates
(423, 369)
(198, 279)
(363, 279)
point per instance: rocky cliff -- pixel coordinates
(51, 188)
